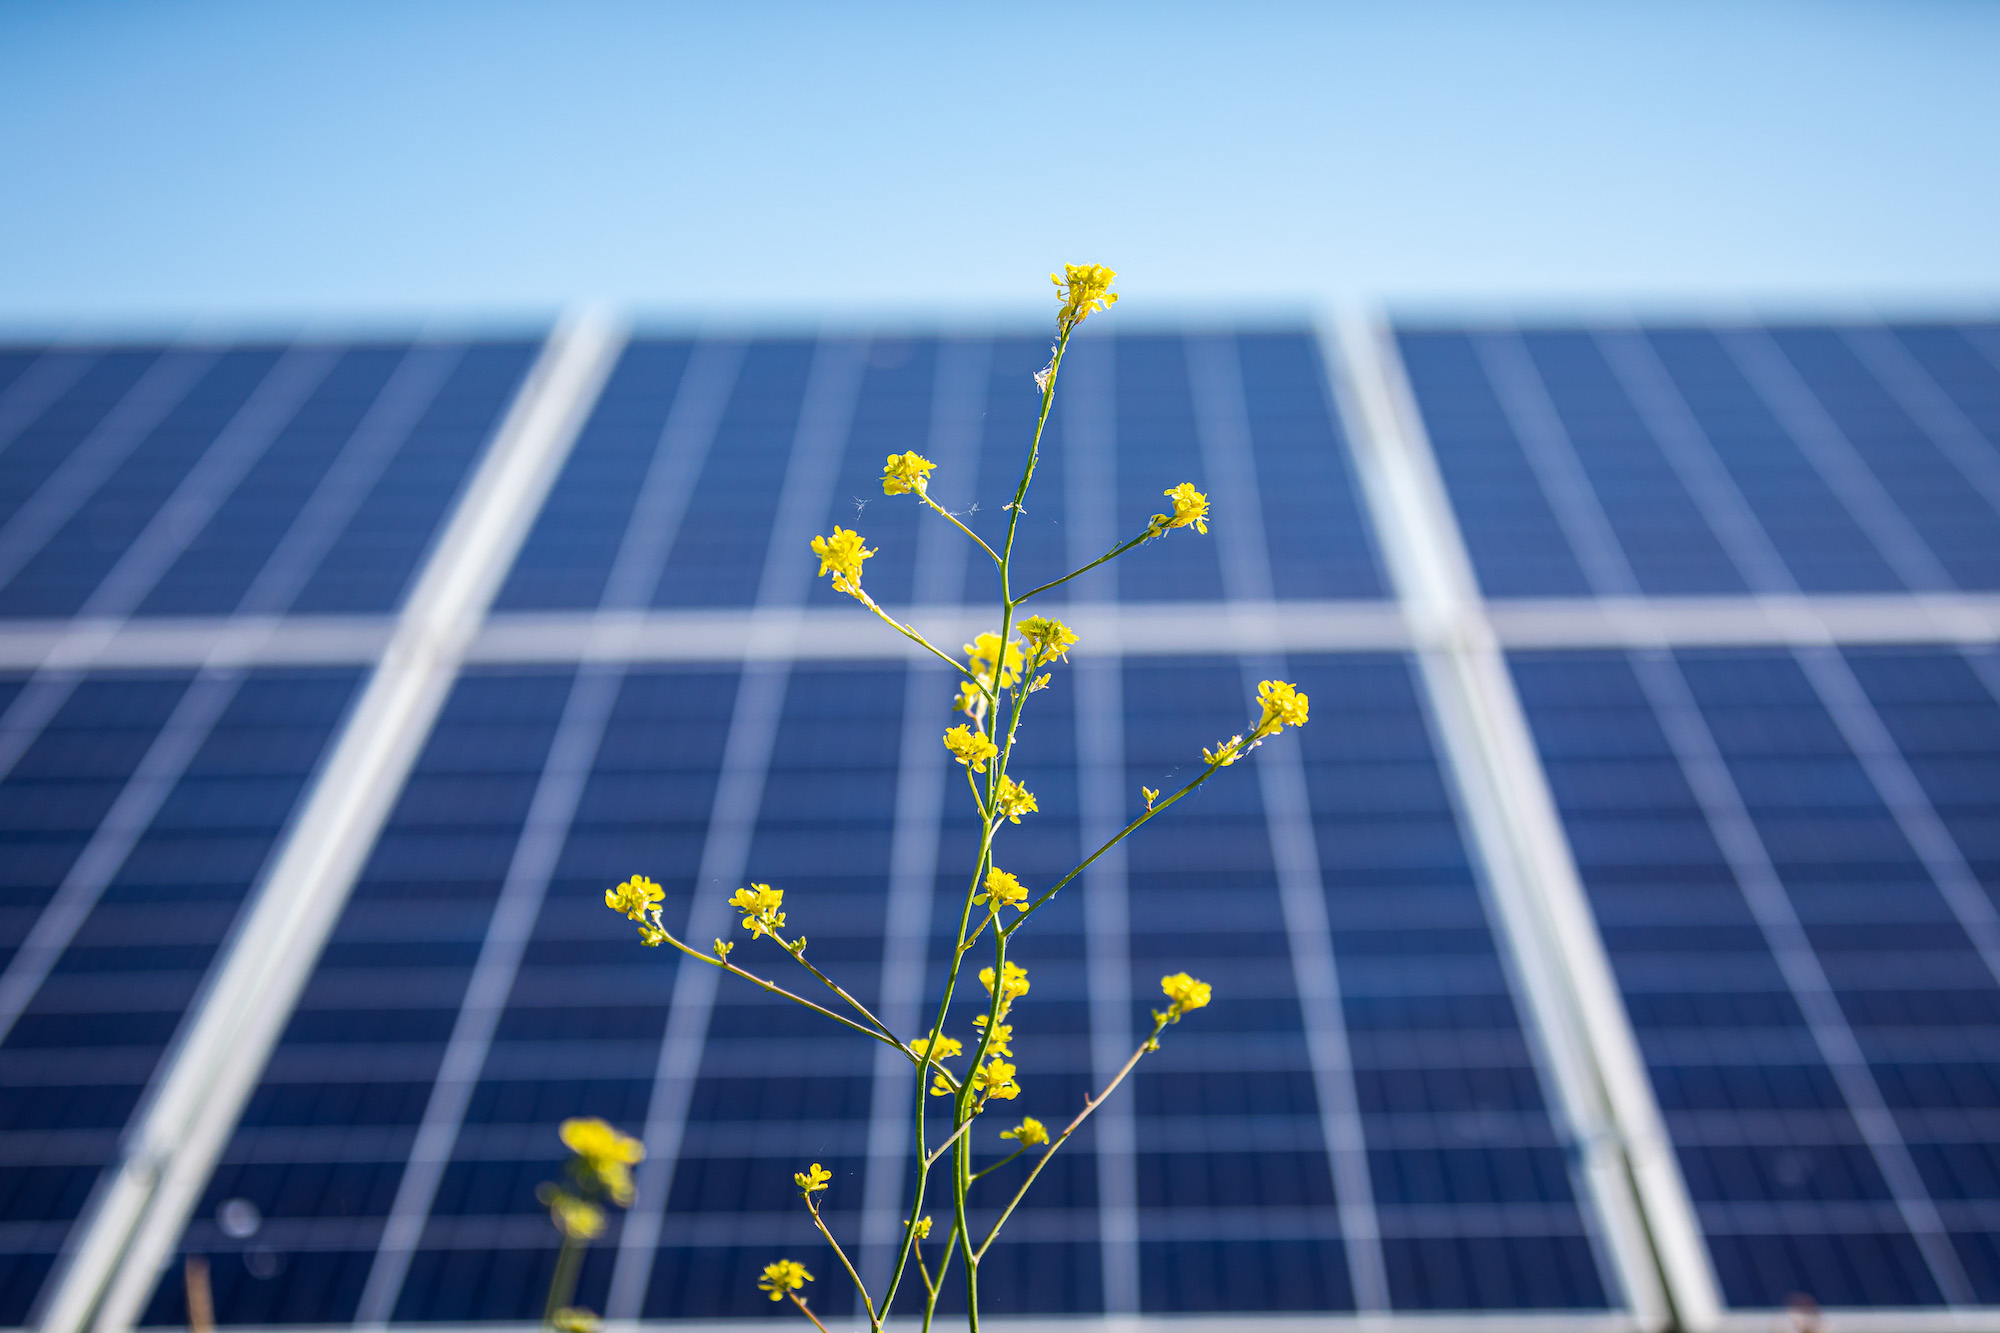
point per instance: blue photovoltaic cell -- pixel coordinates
(1868, 456)
(256, 479)
(1794, 950)
(970, 405)
(1229, 1169)
(149, 900)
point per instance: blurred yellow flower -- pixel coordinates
(984, 651)
(782, 1278)
(605, 1154)
(1185, 993)
(1030, 1133)
(1283, 705)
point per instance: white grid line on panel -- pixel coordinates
(208, 484)
(551, 811)
(140, 1208)
(1090, 473)
(1749, 545)
(37, 389)
(833, 386)
(1579, 511)
(1736, 834)
(1832, 455)
(1155, 629)
(87, 466)
(1929, 408)
(1223, 430)
(131, 812)
(954, 442)
(367, 453)
(1520, 840)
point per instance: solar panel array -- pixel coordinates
(1779, 826)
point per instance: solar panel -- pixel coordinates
(1617, 941)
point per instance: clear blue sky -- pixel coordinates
(178, 160)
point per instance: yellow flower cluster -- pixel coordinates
(1030, 1133)
(1190, 509)
(1283, 706)
(969, 747)
(905, 473)
(983, 652)
(1048, 640)
(994, 1080)
(814, 1180)
(782, 1278)
(1013, 985)
(946, 1047)
(606, 1155)
(1083, 288)
(1002, 889)
(761, 906)
(1183, 993)
(923, 1228)
(575, 1218)
(574, 1319)
(639, 899)
(841, 555)
(1013, 800)
(1003, 1036)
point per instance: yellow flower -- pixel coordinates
(634, 897)
(994, 1079)
(969, 747)
(1013, 800)
(970, 701)
(1190, 507)
(1048, 640)
(905, 473)
(1003, 1036)
(983, 651)
(1002, 889)
(1283, 705)
(760, 904)
(1030, 1133)
(841, 555)
(814, 1180)
(1084, 288)
(605, 1154)
(946, 1047)
(574, 1319)
(923, 1228)
(1013, 987)
(783, 1278)
(576, 1218)
(1185, 993)
(1225, 753)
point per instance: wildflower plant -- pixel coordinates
(598, 1173)
(967, 1075)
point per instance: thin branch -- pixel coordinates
(1089, 1104)
(799, 954)
(1156, 808)
(907, 631)
(818, 1221)
(924, 495)
(804, 1311)
(776, 989)
(997, 1165)
(1109, 555)
(931, 1160)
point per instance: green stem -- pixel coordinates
(562, 1284)
(1090, 1104)
(1108, 556)
(925, 496)
(854, 1277)
(997, 1165)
